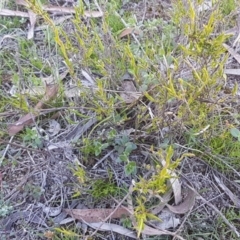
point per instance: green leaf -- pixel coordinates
(123, 157)
(169, 155)
(98, 151)
(130, 168)
(130, 147)
(104, 146)
(111, 134)
(235, 132)
(120, 149)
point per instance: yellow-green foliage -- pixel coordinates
(156, 185)
(102, 189)
(66, 234)
(204, 56)
(114, 23)
(227, 6)
(142, 214)
(225, 145)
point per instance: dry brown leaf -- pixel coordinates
(232, 52)
(96, 214)
(128, 31)
(51, 92)
(21, 123)
(129, 94)
(186, 205)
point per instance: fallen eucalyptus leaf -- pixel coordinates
(186, 205)
(96, 214)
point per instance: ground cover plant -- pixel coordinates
(119, 119)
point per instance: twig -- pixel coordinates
(217, 211)
(6, 149)
(19, 146)
(101, 160)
